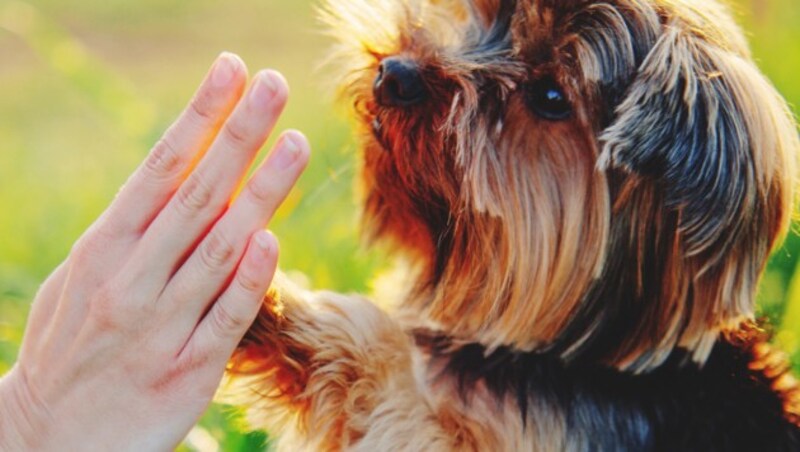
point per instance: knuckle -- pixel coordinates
(164, 160)
(81, 253)
(93, 244)
(194, 196)
(104, 309)
(250, 284)
(115, 225)
(112, 310)
(224, 322)
(236, 134)
(201, 109)
(217, 252)
(261, 191)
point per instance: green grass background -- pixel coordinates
(86, 87)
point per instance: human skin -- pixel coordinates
(128, 339)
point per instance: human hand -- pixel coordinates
(128, 339)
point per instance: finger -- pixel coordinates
(207, 191)
(207, 270)
(229, 318)
(44, 306)
(155, 181)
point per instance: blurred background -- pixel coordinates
(86, 87)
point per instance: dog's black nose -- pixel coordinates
(399, 83)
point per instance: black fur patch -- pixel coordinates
(723, 406)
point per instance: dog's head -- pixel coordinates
(600, 179)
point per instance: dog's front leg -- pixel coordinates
(314, 366)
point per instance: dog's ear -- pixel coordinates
(484, 10)
(703, 126)
(490, 13)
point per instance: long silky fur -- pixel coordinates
(626, 241)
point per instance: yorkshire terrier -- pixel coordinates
(586, 193)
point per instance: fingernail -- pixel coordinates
(223, 71)
(288, 151)
(264, 89)
(263, 240)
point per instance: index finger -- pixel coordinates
(155, 181)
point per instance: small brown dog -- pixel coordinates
(587, 192)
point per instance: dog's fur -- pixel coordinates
(577, 284)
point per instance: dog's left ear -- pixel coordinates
(702, 125)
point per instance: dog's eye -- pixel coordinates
(547, 99)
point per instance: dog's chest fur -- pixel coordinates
(731, 403)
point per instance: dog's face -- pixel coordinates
(602, 179)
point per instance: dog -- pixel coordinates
(584, 194)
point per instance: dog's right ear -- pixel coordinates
(705, 125)
(706, 132)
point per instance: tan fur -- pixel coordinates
(336, 373)
(520, 230)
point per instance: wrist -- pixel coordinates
(23, 420)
